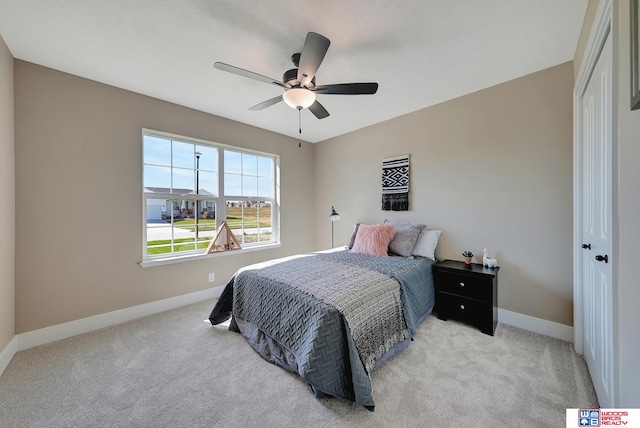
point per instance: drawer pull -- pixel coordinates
(462, 284)
(461, 306)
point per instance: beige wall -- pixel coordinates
(491, 169)
(7, 195)
(79, 202)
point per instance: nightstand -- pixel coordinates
(467, 293)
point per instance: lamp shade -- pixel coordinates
(334, 216)
(299, 97)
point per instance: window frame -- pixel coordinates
(220, 200)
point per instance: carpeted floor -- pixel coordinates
(175, 370)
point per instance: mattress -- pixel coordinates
(331, 317)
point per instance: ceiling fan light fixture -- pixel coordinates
(299, 97)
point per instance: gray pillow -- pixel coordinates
(353, 236)
(405, 238)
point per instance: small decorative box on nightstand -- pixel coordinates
(467, 293)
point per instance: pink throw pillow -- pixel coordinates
(373, 239)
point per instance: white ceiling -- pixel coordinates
(421, 52)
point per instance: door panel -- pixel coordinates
(596, 230)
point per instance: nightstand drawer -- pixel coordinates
(473, 287)
(468, 293)
(474, 312)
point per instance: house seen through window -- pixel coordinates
(191, 187)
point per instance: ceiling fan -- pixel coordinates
(299, 83)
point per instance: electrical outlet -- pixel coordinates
(212, 277)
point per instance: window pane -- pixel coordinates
(232, 185)
(250, 221)
(249, 186)
(265, 232)
(157, 178)
(157, 210)
(205, 229)
(235, 219)
(183, 180)
(265, 187)
(249, 164)
(208, 158)
(208, 183)
(157, 150)
(207, 210)
(184, 234)
(232, 162)
(250, 217)
(265, 167)
(183, 155)
(172, 232)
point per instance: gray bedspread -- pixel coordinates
(338, 313)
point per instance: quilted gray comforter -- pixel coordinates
(339, 314)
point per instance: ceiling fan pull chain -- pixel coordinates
(299, 126)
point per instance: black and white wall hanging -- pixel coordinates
(395, 183)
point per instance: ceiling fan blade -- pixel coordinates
(267, 103)
(347, 89)
(313, 52)
(318, 110)
(245, 73)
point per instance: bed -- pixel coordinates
(331, 317)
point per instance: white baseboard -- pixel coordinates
(62, 331)
(7, 353)
(46, 335)
(536, 325)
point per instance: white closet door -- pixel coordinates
(596, 230)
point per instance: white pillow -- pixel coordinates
(427, 242)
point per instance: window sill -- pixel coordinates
(193, 257)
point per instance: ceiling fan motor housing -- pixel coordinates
(291, 77)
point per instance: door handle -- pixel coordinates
(586, 246)
(604, 258)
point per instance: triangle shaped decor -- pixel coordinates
(223, 240)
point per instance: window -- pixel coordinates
(191, 187)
